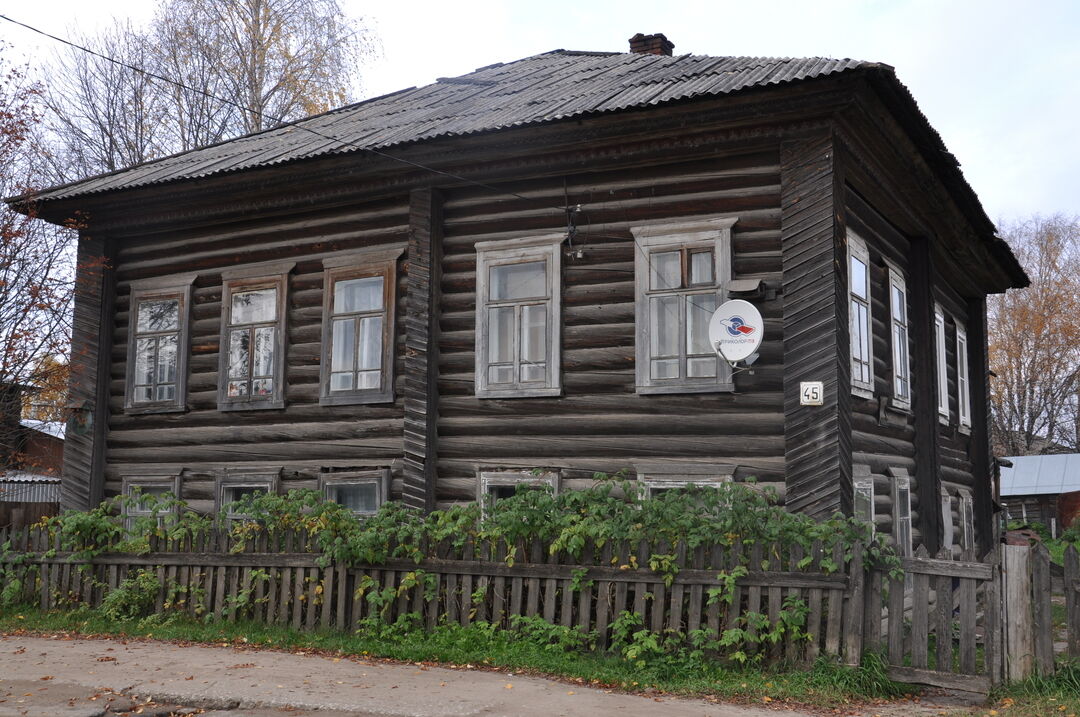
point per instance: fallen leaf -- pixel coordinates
(509, 686)
(47, 677)
(106, 659)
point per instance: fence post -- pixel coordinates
(853, 620)
(1019, 629)
(1040, 596)
(1072, 599)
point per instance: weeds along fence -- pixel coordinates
(776, 601)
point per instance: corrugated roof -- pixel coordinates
(542, 88)
(1040, 475)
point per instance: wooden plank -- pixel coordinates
(993, 644)
(896, 622)
(967, 683)
(753, 594)
(943, 632)
(834, 624)
(659, 591)
(1072, 599)
(951, 568)
(814, 597)
(920, 618)
(1041, 610)
(550, 587)
(856, 603)
(453, 599)
(696, 593)
(312, 595)
(467, 585)
(431, 607)
(1019, 648)
(341, 596)
(585, 594)
(532, 585)
(603, 599)
(775, 597)
(328, 597)
(296, 599)
(640, 587)
(621, 588)
(793, 647)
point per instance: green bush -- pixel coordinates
(133, 598)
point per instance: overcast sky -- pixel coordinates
(1000, 80)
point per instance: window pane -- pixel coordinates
(161, 315)
(232, 494)
(144, 393)
(858, 277)
(166, 392)
(166, 360)
(534, 332)
(343, 345)
(264, 351)
(239, 351)
(534, 372)
(501, 334)
(518, 281)
(237, 389)
(665, 270)
(701, 268)
(144, 361)
(899, 305)
(157, 491)
(371, 343)
(699, 309)
(358, 295)
(262, 387)
(664, 320)
(341, 381)
(357, 497)
(501, 373)
(701, 367)
(249, 307)
(667, 368)
(368, 380)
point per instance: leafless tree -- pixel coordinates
(1035, 342)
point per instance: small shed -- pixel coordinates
(1042, 489)
(26, 498)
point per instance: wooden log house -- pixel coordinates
(427, 295)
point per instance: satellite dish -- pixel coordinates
(736, 330)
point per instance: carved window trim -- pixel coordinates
(691, 235)
(380, 262)
(166, 288)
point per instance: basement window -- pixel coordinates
(145, 494)
(967, 521)
(902, 515)
(862, 341)
(362, 492)
(252, 353)
(681, 274)
(864, 500)
(496, 485)
(357, 363)
(238, 484)
(518, 315)
(158, 332)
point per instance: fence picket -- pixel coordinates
(943, 609)
(1041, 610)
(920, 615)
(1072, 599)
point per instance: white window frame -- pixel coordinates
(942, 365)
(860, 387)
(863, 507)
(253, 278)
(502, 478)
(901, 513)
(380, 478)
(653, 476)
(382, 262)
(947, 528)
(169, 481)
(899, 340)
(967, 521)
(176, 287)
(514, 251)
(963, 379)
(713, 234)
(268, 479)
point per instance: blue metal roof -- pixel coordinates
(1041, 475)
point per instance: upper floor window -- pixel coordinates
(963, 384)
(359, 293)
(862, 343)
(681, 272)
(899, 321)
(158, 344)
(252, 364)
(518, 312)
(942, 364)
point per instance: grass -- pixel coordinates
(826, 683)
(1041, 696)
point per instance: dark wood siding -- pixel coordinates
(304, 437)
(600, 423)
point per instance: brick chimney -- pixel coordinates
(651, 44)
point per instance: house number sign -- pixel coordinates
(811, 393)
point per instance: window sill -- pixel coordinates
(139, 410)
(357, 399)
(519, 393)
(710, 388)
(861, 392)
(262, 405)
(965, 430)
(903, 407)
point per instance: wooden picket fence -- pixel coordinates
(280, 579)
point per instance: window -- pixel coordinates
(158, 345)
(862, 343)
(942, 365)
(359, 292)
(681, 272)
(901, 362)
(238, 484)
(156, 487)
(503, 484)
(902, 512)
(362, 492)
(863, 483)
(252, 365)
(947, 520)
(518, 313)
(963, 385)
